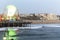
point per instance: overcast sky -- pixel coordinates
(33, 6)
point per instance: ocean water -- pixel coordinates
(48, 32)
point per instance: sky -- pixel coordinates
(32, 6)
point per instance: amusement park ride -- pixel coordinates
(10, 14)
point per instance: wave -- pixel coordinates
(16, 28)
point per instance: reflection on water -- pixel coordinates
(46, 33)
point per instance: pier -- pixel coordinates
(14, 23)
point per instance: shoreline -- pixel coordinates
(43, 22)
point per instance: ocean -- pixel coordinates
(43, 32)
